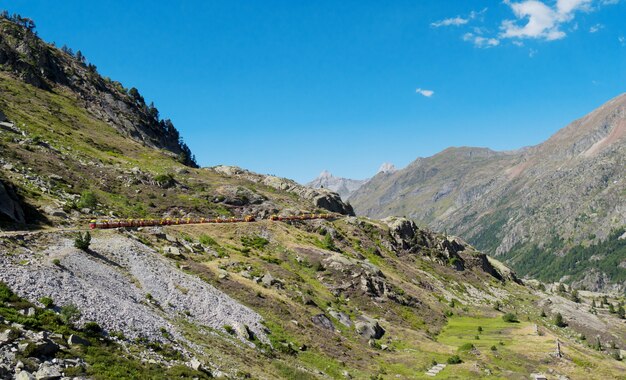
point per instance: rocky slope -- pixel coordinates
(336, 298)
(46, 67)
(551, 197)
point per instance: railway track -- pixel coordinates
(133, 223)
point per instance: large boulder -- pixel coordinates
(321, 320)
(406, 234)
(369, 328)
(10, 206)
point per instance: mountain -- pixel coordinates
(336, 297)
(532, 206)
(344, 186)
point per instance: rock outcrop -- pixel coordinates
(320, 198)
(10, 206)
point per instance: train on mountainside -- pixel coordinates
(121, 223)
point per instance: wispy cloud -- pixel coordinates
(426, 93)
(480, 41)
(595, 28)
(455, 21)
(536, 19)
(458, 20)
(622, 40)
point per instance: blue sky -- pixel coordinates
(291, 88)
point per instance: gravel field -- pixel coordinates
(123, 285)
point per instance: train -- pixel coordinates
(122, 223)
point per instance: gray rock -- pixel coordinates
(8, 336)
(268, 280)
(74, 340)
(369, 328)
(172, 251)
(222, 274)
(56, 212)
(323, 321)
(47, 371)
(342, 317)
(242, 331)
(195, 364)
(24, 375)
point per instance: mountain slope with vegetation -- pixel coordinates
(570, 189)
(336, 298)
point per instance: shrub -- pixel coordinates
(466, 347)
(454, 359)
(47, 301)
(494, 348)
(480, 329)
(328, 242)
(56, 262)
(69, 314)
(82, 242)
(6, 294)
(87, 200)
(164, 180)
(92, 329)
(559, 321)
(206, 240)
(254, 242)
(510, 318)
(229, 329)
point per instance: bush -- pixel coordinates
(82, 242)
(56, 262)
(92, 329)
(454, 359)
(466, 347)
(87, 200)
(6, 294)
(254, 242)
(164, 180)
(47, 302)
(559, 321)
(510, 318)
(69, 314)
(494, 348)
(229, 329)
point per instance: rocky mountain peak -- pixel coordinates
(386, 167)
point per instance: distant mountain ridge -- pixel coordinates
(345, 186)
(566, 191)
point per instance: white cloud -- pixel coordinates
(426, 93)
(539, 20)
(458, 20)
(480, 41)
(595, 28)
(622, 40)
